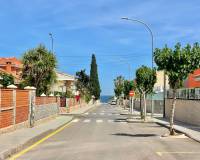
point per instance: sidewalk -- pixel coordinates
(191, 131)
(17, 140)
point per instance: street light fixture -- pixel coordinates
(152, 46)
(51, 36)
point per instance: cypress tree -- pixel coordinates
(94, 79)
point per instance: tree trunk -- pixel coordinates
(124, 103)
(172, 132)
(141, 108)
(145, 106)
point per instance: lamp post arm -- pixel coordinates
(148, 29)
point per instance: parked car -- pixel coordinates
(113, 102)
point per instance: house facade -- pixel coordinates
(193, 80)
(159, 85)
(64, 83)
(13, 66)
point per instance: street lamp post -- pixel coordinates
(51, 36)
(152, 47)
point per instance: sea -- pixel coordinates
(105, 98)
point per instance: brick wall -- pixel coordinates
(45, 100)
(6, 108)
(6, 98)
(6, 118)
(15, 106)
(22, 105)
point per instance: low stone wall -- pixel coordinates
(158, 106)
(187, 111)
(45, 110)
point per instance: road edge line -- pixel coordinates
(47, 135)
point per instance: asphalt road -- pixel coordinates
(104, 134)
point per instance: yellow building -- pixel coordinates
(159, 86)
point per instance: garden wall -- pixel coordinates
(45, 107)
(17, 105)
(187, 111)
(158, 106)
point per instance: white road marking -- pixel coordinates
(99, 120)
(75, 120)
(86, 113)
(122, 122)
(161, 153)
(86, 120)
(110, 121)
(101, 113)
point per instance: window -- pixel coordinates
(197, 78)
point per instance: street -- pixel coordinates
(104, 134)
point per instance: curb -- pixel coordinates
(20, 147)
(179, 130)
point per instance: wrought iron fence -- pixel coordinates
(190, 94)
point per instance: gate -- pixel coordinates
(62, 101)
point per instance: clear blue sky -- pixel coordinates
(83, 27)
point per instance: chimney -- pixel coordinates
(8, 66)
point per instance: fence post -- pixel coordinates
(13, 87)
(43, 99)
(58, 102)
(31, 117)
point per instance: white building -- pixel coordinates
(64, 83)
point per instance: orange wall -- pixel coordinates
(191, 82)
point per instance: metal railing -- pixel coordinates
(190, 94)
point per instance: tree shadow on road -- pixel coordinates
(120, 120)
(134, 135)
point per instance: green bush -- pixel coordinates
(7, 79)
